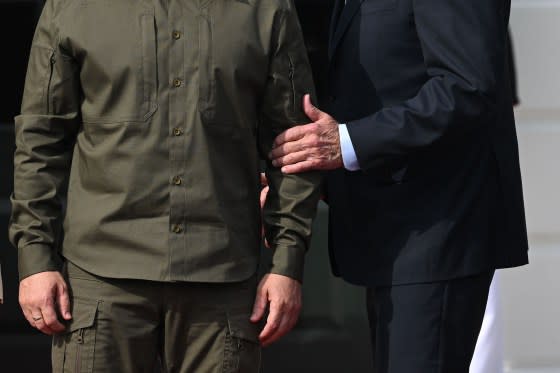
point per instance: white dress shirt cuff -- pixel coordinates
(349, 157)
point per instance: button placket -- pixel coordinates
(179, 127)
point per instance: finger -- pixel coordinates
(287, 148)
(287, 322)
(259, 307)
(50, 319)
(28, 317)
(264, 193)
(291, 134)
(39, 321)
(64, 302)
(291, 159)
(272, 323)
(303, 166)
(289, 318)
(264, 181)
(310, 110)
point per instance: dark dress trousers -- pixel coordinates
(424, 87)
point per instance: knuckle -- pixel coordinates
(312, 140)
(49, 301)
(282, 304)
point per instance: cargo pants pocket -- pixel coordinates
(73, 351)
(242, 353)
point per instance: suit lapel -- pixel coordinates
(339, 24)
(337, 9)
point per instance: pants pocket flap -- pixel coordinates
(242, 328)
(83, 315)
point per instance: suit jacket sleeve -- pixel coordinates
(464, 46)
(512, 70)
(292, 199)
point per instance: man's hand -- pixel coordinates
(42, 297)
(313, 146)
(284, 295)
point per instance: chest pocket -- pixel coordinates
(116, 41)
(374, 6)
(232, 64)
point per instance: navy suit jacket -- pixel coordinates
(424, 88)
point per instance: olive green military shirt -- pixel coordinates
(142, 127)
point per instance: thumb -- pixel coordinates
(64, 303)
(264, 180)
(311, 111)
(264, 194)
(259, 307)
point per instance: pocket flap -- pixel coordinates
(83, 315)
(241, 327)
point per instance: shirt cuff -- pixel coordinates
(288, 261)
(349, 157)
(35, 258)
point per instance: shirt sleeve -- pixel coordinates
(45, 134)
(292, 200)
(349, 157)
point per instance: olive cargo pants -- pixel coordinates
(130, 326)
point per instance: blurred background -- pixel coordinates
(333, 322)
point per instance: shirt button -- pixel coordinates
(176, 35)
(177, 180)
(177, 82)
(176, 228)
(177, 131)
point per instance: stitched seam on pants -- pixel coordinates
(228, 351)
